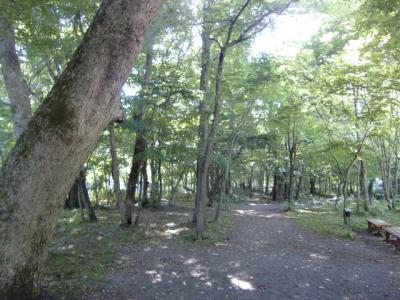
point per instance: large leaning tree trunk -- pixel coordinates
(16, 87)
(47, 157)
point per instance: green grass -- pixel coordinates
(330, 221)
(81, 253)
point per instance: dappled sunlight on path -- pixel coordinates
(267, 256)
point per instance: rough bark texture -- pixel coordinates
(16, 87)
(42, 166)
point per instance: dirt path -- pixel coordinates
(267, 256)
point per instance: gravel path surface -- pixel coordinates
(266, 256)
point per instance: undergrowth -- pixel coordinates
(329, 220)
(81, 253)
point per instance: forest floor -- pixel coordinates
(262, 254)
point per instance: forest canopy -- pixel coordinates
(220, 104)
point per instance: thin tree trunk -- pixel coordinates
(266, 184)
(80, 201)
(201, 192)
(139, 148)
(115, 174)
(201, 183)
(16, 87)
(364, 185)
(43, 164)
(154, 184)
(160, 183)
(145, 199)
(85, 198)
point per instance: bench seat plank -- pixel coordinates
(394, 231)
(378, 222)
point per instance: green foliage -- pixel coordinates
(330, 221)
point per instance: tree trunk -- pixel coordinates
(292, 166)
(43, 164)
(115, 174)
(140, 146)
(278, 187)
(160, 183)
(154, 184)
(251, 181)
(201, 193)
(145, 199)
(16, 87)
(85, 196)
(364, 185)
(266, 184)
(312, 185)
(201, 182)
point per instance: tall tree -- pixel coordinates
(17, 90)
(238, 30)
(42, 166)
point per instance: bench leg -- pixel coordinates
(369, 227)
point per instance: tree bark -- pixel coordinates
(203, 107)
(115, 173)
(16, 87)
(85, 196)
(140, 145)
(312, 185)
(364, 185)
(201, 192)
(266, 184)
(154, 183)
(50, 152)
(145, 198)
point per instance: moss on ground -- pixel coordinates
(330, 221)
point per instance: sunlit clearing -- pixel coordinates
(170, 225)
(241, 284)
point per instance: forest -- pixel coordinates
(199, 149)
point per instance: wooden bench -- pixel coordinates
(377, 224)
(392, 231)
